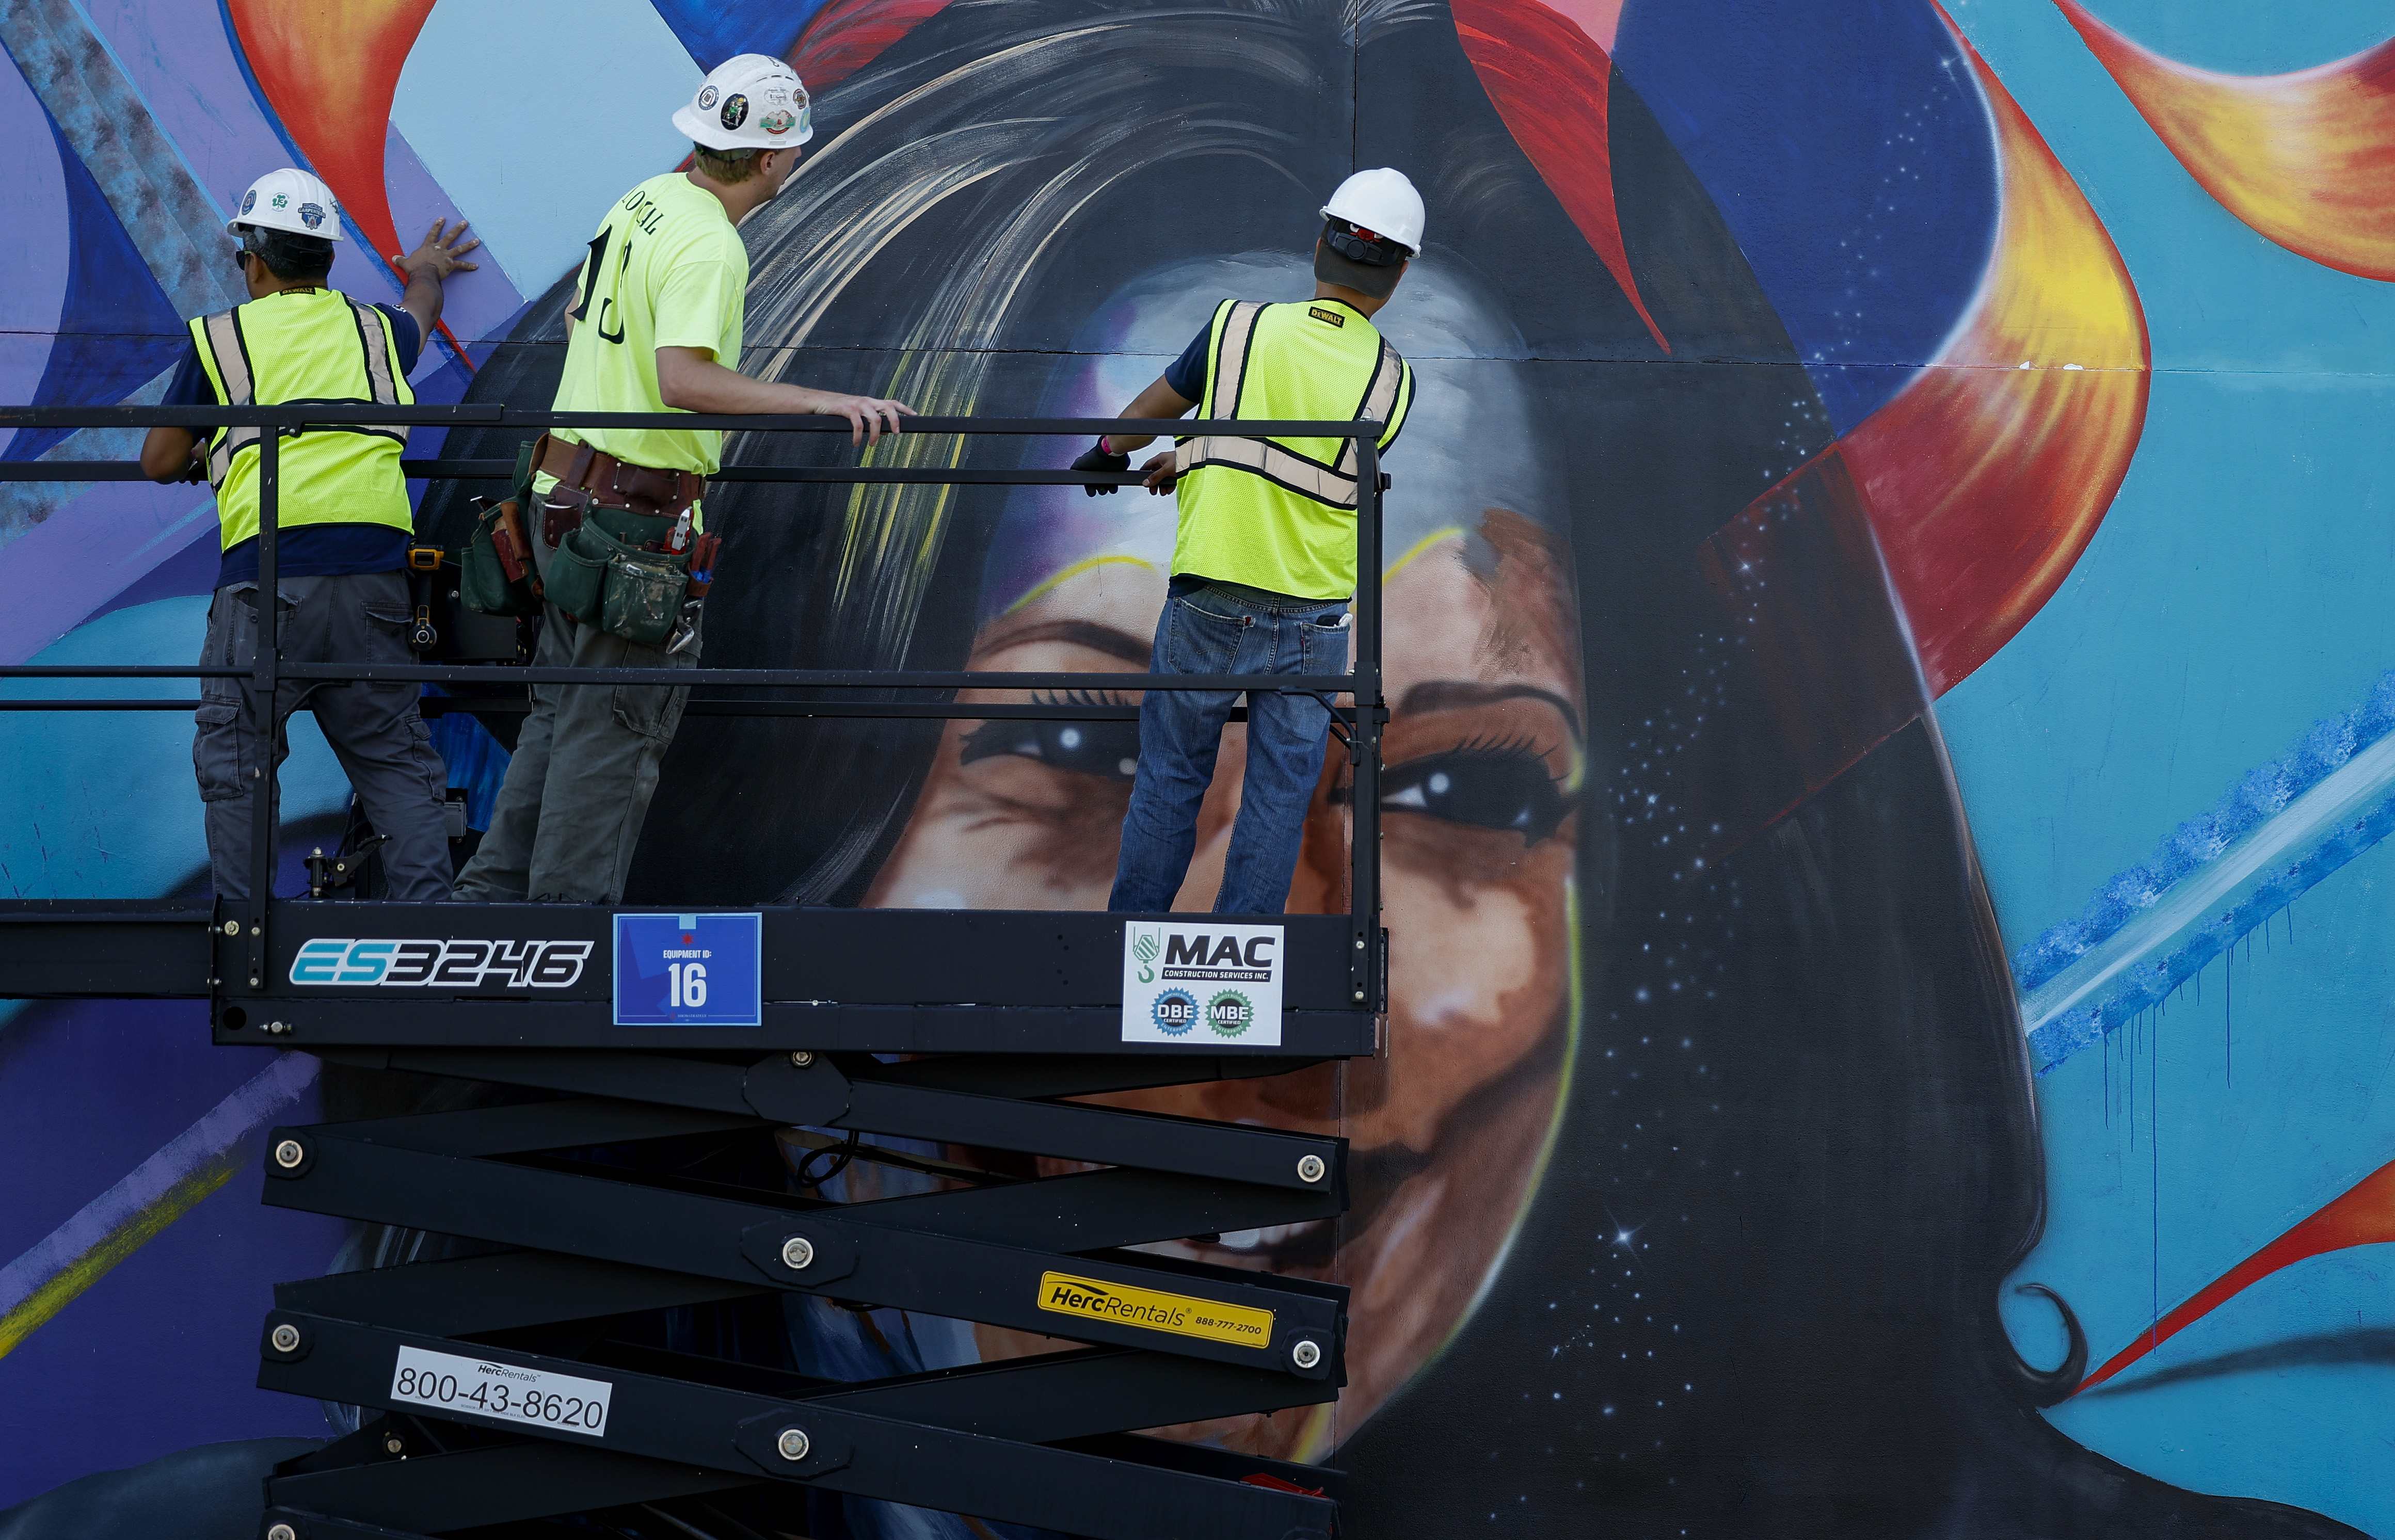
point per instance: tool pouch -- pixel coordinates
(496, 572)
(561, 513)
(577, 574)
(644, 595)
(702, 563)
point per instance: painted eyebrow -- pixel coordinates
(1084, 633)
(1454, 695)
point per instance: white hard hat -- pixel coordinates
(1382, 201)
(749, 101)
(292, 200)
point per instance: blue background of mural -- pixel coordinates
(2233, 598)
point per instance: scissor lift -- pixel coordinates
(501, 1388)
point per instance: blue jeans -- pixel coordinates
(1206, 628)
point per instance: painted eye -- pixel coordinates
(1109, 750)
(1488, 786)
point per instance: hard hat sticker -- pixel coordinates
(1182, 1314)
(706, 98)
(777, 122)
(735, 111)
(1201, 979)
(249, 200)
(312, 214)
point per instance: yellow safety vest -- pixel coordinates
(313, 345)
(1278, 514)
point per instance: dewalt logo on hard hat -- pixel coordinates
(1182, 1314)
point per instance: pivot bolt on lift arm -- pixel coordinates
(528, 1381)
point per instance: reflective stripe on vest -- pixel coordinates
(1334, 483)
(314, 346)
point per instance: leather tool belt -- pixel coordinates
(608, 482)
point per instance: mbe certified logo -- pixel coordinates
(380, 963)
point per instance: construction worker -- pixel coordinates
(343, 523)
(1264, 562)
(655, 326)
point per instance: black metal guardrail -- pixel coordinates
(494, 1388)
(1361, 721)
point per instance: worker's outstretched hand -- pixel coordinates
(1159, 475)
(1097, 460)
(867, 415)
(439, 255)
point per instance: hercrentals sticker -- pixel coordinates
(1182, 1314)
(379, 963)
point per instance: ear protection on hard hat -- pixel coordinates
(1358, 245)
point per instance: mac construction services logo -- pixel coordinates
(379, 963)
(1201, 981)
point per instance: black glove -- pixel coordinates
(1096, 458)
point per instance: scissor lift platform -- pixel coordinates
(522, 1380)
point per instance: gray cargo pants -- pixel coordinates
(375, 730)
(569, 813)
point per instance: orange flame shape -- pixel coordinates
(2306, 159)
(330, 71)
(2364, 1216)
(1987, 475)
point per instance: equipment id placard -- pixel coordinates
(534, 1396)
(690, 971)
(1201, 981)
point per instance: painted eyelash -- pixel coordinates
(1079, 697)
(1523, 745)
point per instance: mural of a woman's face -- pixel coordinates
(1479, 796)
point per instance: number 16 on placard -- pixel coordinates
(686, 983)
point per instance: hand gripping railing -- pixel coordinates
(562, 1408)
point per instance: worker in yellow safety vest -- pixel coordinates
(1264, 561)
(616, 527)
(343, 527)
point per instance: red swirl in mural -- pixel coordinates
(1548, 78)
(2307, 158)
(1986, 476)
(846, 35)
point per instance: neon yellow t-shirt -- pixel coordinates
(667, 269)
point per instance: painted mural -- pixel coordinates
(1893, 1025)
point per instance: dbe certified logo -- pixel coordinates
(377, 962)
(1201, 981)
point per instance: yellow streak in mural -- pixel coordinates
(2307, 158)
(61, 1290)
(1986, 476)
